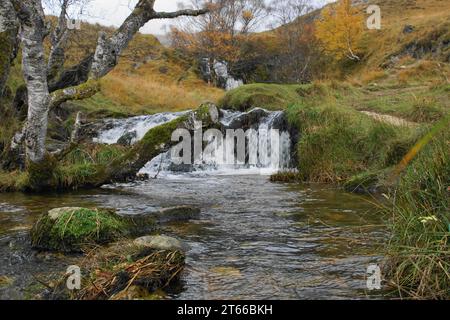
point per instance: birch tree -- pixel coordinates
(340, 29)
(48, 84)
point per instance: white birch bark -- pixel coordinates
(34, 66)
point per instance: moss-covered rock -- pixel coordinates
(70, 229)
(40, 174)
(267, 96)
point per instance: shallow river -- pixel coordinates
(254, 240)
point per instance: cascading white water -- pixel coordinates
(136, 126)
(265, 152)
(270, 157)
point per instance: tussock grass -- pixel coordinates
(83, 164)
(419, 252)
(337, 143)
(13, 181)
(115, 269)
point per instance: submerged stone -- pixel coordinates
(177, 214)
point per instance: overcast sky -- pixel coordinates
(114, 12)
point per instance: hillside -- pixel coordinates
(149, 78)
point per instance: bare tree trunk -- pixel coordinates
(8, 39)
(32, 34)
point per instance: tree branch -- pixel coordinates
(58, 40)
(180, 13)
(81, 92)
(109, 49)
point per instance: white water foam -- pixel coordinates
(138, 126)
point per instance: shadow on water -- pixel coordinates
(254, 239)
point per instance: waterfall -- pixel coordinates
(265, 144)
(135, 127)
(263, 155)
(226, 81)
(229, 82)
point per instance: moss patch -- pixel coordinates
(267, 96)
(71, 229)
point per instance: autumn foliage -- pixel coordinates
(340, 29)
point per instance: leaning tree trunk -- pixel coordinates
(8, 40)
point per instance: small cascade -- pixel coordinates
(132, 129)
(260, 143)
(221, 74)
(228, 81)
(266, 152)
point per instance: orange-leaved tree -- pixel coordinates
(340, 29)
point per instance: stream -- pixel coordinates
(254, 239)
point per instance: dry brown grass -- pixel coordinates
(431, 21)
(373, 75)
(152, 90)
(424, 70)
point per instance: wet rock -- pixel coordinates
(208, 114)
(142, 177)
(246, 120)
(160, 243)
(177, 214)
(70, 229)
(408, 29)
(127, 139)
